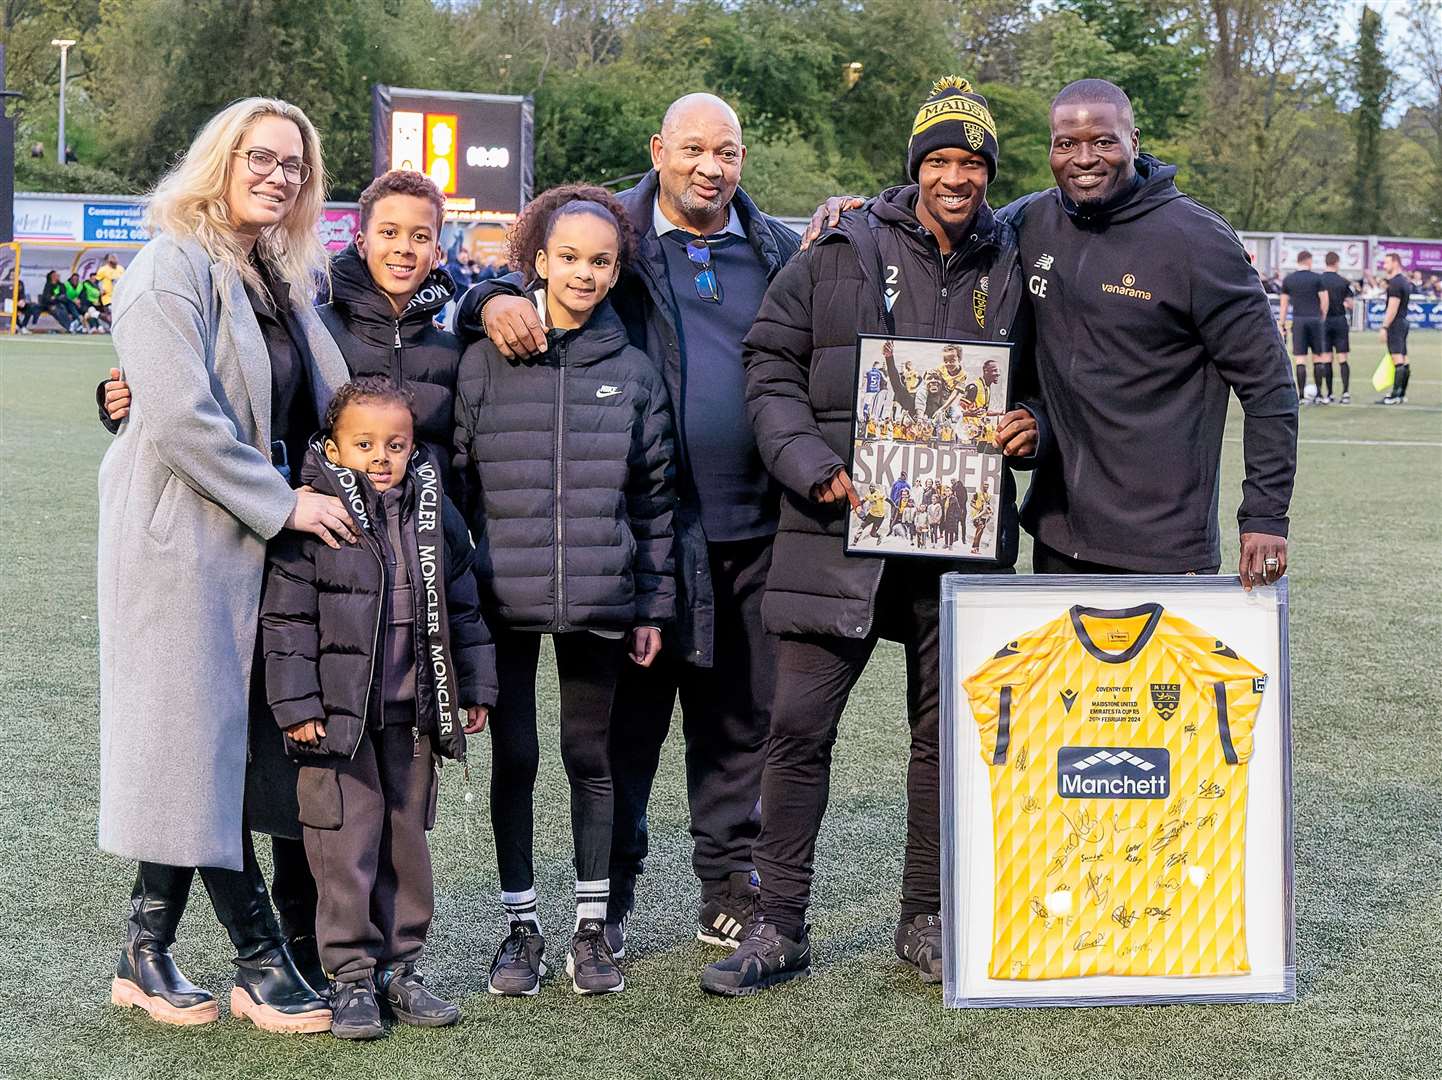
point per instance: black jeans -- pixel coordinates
(1047, 560)
(725, 715)
(587, 667)
(815, 676)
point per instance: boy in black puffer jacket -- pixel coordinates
(386, 290)
(371, 651)
(569, 457)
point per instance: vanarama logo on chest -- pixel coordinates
(1127, 288)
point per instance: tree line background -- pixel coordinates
(1271, 121)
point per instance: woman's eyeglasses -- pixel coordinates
(263, 163)
(708, 286)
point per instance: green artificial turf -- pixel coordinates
(1366, 545)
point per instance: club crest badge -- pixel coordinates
(1166, 698)
(975, 136)
(978, 306)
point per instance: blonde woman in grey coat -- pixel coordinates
(189, 495)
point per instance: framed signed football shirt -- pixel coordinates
(1116, 743)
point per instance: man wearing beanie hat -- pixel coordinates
(1139, 350)
(927, 259)
(953, 116)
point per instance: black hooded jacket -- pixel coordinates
(569, 463)
(1148, 313)
(323, 615)
(800, 382)
(408, 348)
(643, 300)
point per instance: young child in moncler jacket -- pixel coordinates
(568, 459)
(377, 664)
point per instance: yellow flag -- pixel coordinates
(1385, 375)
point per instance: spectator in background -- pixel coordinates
(55, 300)
(27, 311)
(465, 274)
(37, 150)
(108, 274)
(485, 268)
(70, 156)
(97, 312)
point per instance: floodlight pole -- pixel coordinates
(64, 45)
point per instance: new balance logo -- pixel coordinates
(608, 391)
(1044, 263)
(1068, 699)
(1100, 772)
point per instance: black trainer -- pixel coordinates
(918, 942)
(404, 992)
(764, 958)
(520, 962)
(590, 963)
(355, 1013)
(726, 914)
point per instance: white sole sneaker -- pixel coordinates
(581, 991)
(532, 992)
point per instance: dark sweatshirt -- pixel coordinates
(1148, 315)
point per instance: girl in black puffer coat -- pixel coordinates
(567, 458)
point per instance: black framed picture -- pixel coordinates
(926, 461)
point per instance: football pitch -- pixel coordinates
(1366, 651)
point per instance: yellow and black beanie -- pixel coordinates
(953, 115)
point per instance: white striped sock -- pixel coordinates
(521, 908)
(591, 897)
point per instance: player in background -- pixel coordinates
(1308, 300)
(899, 497)
(980, 516)
(1336, 334)
(1394, 326)
(872, 513)
(873, 381)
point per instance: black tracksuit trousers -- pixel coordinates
(587, 666)
(815, 676)
(725, 715)
(365, 822)
(1047, 560)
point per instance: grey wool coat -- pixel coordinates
(188, 499)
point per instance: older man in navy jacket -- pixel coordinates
(706, 256)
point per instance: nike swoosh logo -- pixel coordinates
(608, 391)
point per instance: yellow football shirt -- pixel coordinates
(108, 275)
(1117, 743)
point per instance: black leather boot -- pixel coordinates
(147, 976)
(269, 991)
(306, 954)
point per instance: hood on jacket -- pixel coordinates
(368, 311)
(1156, 186)
(349, 485)
(604, 335)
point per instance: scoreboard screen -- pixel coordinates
(476, 147)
